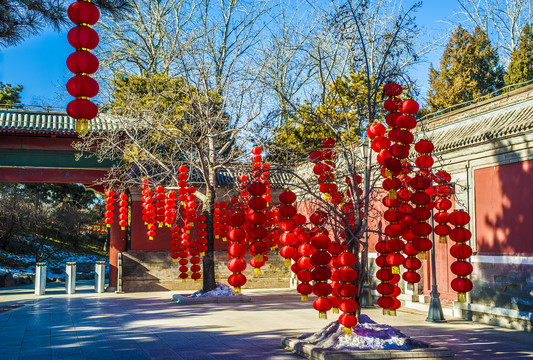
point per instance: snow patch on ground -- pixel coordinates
(367, 335)
(55, 264)
(221, 290)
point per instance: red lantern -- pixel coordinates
(409, 106)
(374, 130)
(461, 252)
(392, 89)
(83, 37)
(82, 62)
(83, 12)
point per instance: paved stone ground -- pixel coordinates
(149, 326)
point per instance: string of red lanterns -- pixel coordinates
(83, 38)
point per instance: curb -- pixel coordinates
(186, 300)
(313, 352)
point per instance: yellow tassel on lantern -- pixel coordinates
(122, 228)
(196, 281)
(395, 269)
(287, 262)
(202, 253)
(237, 290)
(108, 225)
(304, 297)
(160, 225)
(150, 238)
(388, 174)
(392, 312)
(258, 257)
(422, 255)
(443, 239)
(348, 330)
(182, 280)
(174, 260)
(257, 271)
(335, 310)
(461, 297)
(82, 126)
(224, 239)
(216, 236)
(326, 196)
(322, 315)
(183, 203)
(385, 311)
(392, 194)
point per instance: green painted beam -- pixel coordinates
(49, 159)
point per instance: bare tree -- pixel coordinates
(189, 106)
(380, 43)
(501, 20)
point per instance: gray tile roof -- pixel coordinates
(471, 128)
(43, 122)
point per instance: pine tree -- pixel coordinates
(21, 18)
(9, 95)
(521, 66)
(469, 69)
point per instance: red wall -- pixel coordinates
(161, 241)
(504, 209)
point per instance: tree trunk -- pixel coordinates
(209, 282)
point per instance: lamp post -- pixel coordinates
(435, 309)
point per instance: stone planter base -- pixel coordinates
(313, 352)
(186, 300)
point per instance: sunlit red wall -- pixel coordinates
(504, 209)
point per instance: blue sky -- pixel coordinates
(38, 63)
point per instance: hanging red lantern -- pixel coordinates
(321, 274)
(409, 106)
(462, 268)
(123, 211)
(82, 87)
(376, 129)
(392, 89)
(109, 207)
(347, 290)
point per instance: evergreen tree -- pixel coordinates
(469, 69)
(344, 107)
(521, 66)
(9, 95)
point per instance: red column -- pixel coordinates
(117, 244)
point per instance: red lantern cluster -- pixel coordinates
(237, 251)
(198, 246)
(83, 38)
(421, 229)
(321, 273)
(347, 290)
(123, 211)
(256, 220)
(183, 185)
(160, 205)
(442, 204)
(175, 240)
(287, 224)
(305, 250)
(109, 207)
(219, 220)
(148, 209)
(461, 251)
(170, 208)
(335, 250)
